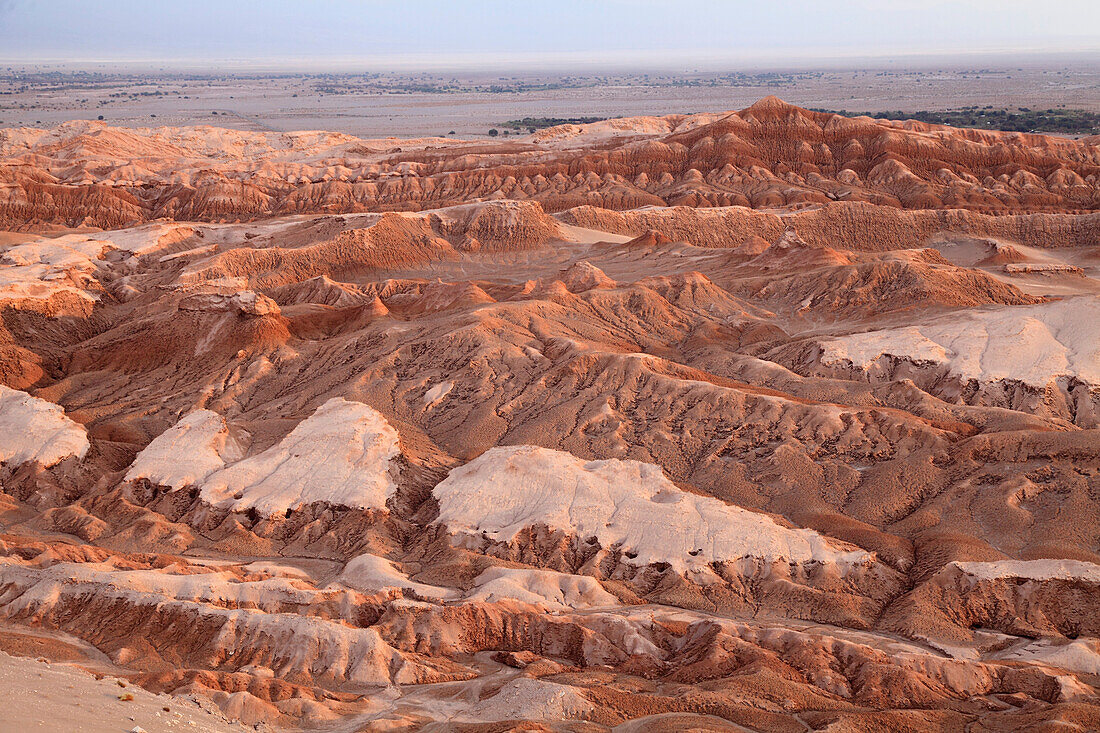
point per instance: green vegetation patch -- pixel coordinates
(1021, 119)
(539, 123)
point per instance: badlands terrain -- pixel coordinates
(768, 420)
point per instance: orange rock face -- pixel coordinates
(768, 420)
(767, 156)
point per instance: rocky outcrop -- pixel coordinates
(1038, 359)
(36, 431)
(848, 225)
(1034, 598)
(769, 155)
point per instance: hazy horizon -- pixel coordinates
(432, 34)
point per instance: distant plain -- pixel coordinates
(470, 104)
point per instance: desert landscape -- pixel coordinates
(468, 103)
(770, 419)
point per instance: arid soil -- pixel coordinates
(470, 103)
(766, 420)
(44, 698)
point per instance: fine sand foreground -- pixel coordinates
(44, 697)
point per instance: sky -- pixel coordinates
(456, 33)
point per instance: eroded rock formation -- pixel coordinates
(768, 420)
